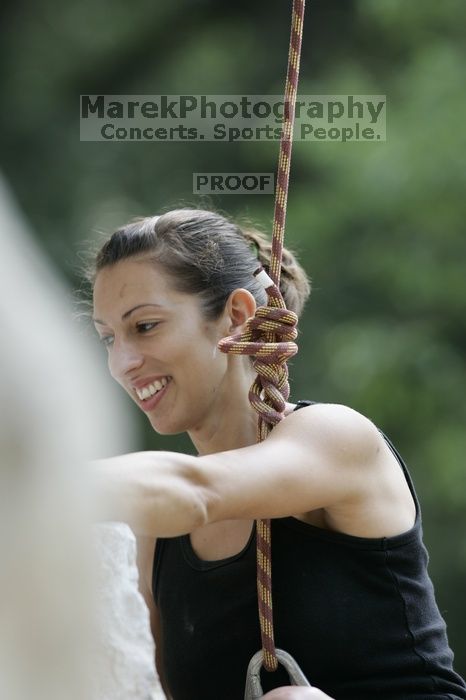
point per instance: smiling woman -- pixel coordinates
(346, 522)
(171, 277)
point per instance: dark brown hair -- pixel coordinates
(205, 254)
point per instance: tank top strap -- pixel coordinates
(406, 473)
(300, 404)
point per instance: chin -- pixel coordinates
(165, 428)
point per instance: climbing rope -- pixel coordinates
(269, 336)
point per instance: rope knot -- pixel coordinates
(269, 338)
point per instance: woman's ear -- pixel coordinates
(240, 306)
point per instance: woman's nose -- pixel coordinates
(125, 358)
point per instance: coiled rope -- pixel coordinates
(269, 336)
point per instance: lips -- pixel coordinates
(149, 404)
(141, 383)
(153, 388)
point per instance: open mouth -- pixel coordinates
(149, 402)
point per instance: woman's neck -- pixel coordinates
(230, 422)
(229, 427)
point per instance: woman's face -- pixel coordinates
(155, 334)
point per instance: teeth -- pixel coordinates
(152, 389)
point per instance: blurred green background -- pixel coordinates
(379, 227)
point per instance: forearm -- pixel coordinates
(158, 494)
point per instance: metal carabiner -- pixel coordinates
(253, 689)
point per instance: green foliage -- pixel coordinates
(379, 226)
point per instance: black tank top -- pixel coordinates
(358, 615)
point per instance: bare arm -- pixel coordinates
(315, 458)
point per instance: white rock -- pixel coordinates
(126, 647)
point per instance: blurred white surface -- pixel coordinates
(57, 411)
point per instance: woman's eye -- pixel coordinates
(140, 326)
(149, 323)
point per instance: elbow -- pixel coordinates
(182, 504)
(198, 493)
(204, 499)
(200, 515)
(177, 496)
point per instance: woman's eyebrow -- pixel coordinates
(127, 313)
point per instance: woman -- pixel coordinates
(353, 603)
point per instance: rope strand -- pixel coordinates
(269, 337)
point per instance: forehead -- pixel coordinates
(129, 277)
(131, 282)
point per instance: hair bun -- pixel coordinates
(295, 285)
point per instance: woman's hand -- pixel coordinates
(293, 692)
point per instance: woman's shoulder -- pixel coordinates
(338, 427)
(382, 501)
